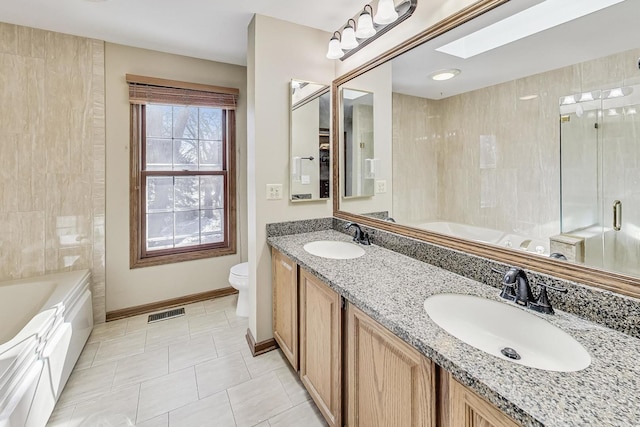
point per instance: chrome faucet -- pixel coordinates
(361, 237)
(516, 288)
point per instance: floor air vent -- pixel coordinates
(166, 315)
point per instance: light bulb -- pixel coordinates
(365, 25)
(334, 51)
(348, 37)
(386, 12)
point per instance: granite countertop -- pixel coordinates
(391, 288)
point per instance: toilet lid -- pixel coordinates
(240, 269)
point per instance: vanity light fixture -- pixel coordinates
(443, 75)
(349, 41)
(334, 51)
(365, 24)
(354, 36)
(386, 13)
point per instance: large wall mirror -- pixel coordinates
(515, 141)
(310, 141)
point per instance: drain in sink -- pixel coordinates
(510, 353)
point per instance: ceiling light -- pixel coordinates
(334, 51)
(349, 36)
(444, 74)
(386, 12)
(365, 24)
(542, 16)
(528, 97)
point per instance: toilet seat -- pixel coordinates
(240, 270)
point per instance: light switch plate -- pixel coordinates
(274, 191)
(381, 186)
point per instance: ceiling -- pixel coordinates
(599, 34)
(209, 29)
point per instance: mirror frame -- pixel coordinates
(591, 276)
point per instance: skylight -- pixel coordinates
(545, 15)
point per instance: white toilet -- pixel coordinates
(239, 279)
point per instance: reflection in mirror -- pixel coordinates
(358, 143)
(310, 142)
(479, 156)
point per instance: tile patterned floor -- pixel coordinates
(194, 370)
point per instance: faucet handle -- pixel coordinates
(508, 291)
(542, 303)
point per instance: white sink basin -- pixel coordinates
(334, 249)
(494, 326)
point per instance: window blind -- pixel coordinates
(145, 90)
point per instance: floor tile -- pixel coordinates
(197, 350)
(306, 414)
(86, 357)
(214, 410)
(258, 400)
(108, 330)
(207, 322)
(292, 385)
(167, 393)
(195, 309)
(61, 416)
(221, 373)
(142, 367)
(267, 362)
(116, 408)
(138, 323)
(117, 348)
(88, 384)
(230, 341)
(221, 304)
(159, 421)
(167, 332)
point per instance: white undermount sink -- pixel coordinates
(504, 330)
(334, 249)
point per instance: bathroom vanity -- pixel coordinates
(369, 354)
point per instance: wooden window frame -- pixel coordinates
(139, 256)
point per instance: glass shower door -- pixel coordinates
(620, 165)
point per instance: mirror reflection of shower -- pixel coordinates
(600, 171)
(310, 164)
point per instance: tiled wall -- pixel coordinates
(492, 154)
(52, 146)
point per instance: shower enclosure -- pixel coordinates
(600, 176)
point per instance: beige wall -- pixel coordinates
(278, 51)
(52, 147)
(131, 287)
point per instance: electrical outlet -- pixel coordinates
(381, 186)
(274, 191)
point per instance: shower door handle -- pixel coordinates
(617, 215)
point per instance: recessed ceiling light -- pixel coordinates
(444, 74)
(542, 16)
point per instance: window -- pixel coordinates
(182, 171)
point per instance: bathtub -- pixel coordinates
(44, 323)
(487, 235)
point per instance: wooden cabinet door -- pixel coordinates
(285, 305)
(321, 346)
(467, 409)
(390, 383)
